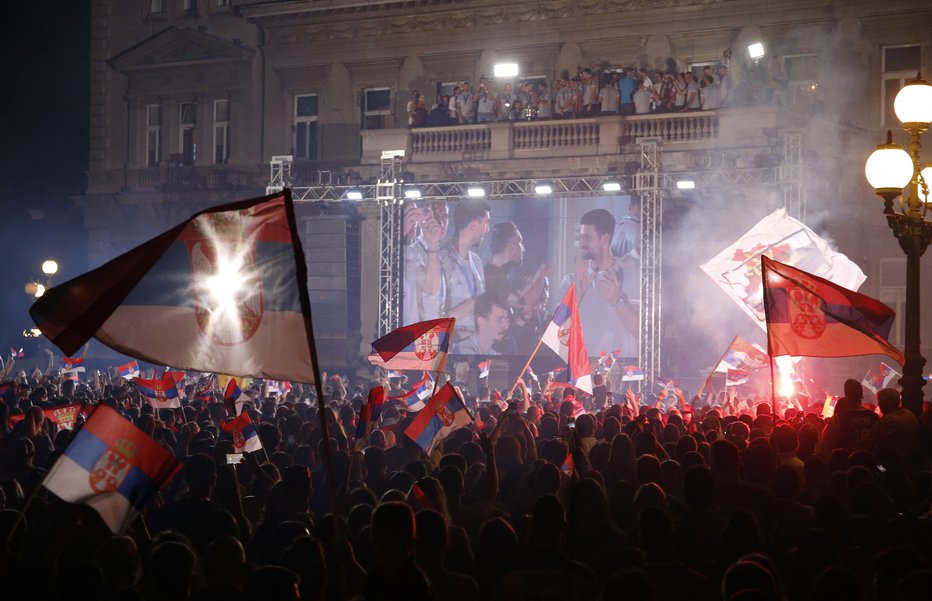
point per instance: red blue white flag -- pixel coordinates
(223, 292)
(245, 436)
(484, 368)
(742, 354)
(234, 398)
(886, 374)
(736, 377)
(415, 398)
(112, 466)
(16, 354)
(369, 414)
(564, 336)
(632, 373)
(871, 382)
(128, 371)
(444, 413)
(422, 345)
(161, 393)
(569, 466)
(808, 316)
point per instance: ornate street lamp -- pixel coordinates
(890, 169)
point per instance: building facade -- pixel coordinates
(191, 99)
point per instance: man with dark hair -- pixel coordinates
(491, 324)
(463, 275)
(395, 575)
(851, 421)
(898, 429)
(426, 227)
(609, 317)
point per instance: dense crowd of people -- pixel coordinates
(635, 498)
(626, 91)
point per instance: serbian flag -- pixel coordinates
(871, 382)
(161, 393)
(444, 413)
(72, 367)
(393, 373)
(422, 345)
(112, 466)
(415, 398)
(632, 373)
(484, 368)
(569, 466)
(63, 416)
(886, 374)
(564, 336)
(666, 383)
(128, 371)
(224, 291)
(741, 354)
(369, 414)
(736, 377)
(245, 435)
(808, 316)
(234, 397)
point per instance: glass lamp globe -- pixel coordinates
(49, 267)
(889, 167)
(927, 176)
(913, 103)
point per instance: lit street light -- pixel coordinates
(890, 169)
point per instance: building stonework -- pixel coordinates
(191, 99)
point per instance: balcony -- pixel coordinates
(539, 139)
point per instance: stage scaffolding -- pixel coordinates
(649, 182)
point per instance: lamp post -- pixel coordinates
(890, 169)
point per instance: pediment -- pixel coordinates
(175, 46)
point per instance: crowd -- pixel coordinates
(635, 499)
(626, 91)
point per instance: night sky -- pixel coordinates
(44, 101)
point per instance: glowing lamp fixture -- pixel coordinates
(353, 195)
(611, 186)
(913, 104)
(686, 184)
(49, 267)
(543, 188)
(889, 168)
(756, 51)
(412, 193)
(505, 70)
(475, 191)
(40, 290)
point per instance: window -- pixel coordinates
(189, 7)
(377, 108)
(900, 65)
(188, 132)
(156, 7)
(893, 294)
(802, 83)
(446, 88)
(305, 127)
(153, 135)
(221, 131)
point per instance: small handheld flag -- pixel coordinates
(484, 368)
(444, 413)
(161, 393)
(112, 466)
(564, 336)
(632, 373)
(245, 437)
(422, 345)
(369, 414)
(128, 371)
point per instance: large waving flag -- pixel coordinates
(112, 466)
(161, 393)
(444, 413)
(225, 291)
(564, 336)
(369, 414)
(63, 416)
(742, 355)
(808, 316)
(245, 436)
(737, 269)
(422, 345)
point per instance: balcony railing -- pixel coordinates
(533, 139)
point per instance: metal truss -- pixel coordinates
(648, 185)
(791, 174)
(391, 241)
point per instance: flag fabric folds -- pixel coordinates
(161, 393)
(72, 367)
(415, 398)
(128, 371)
(564, 336)
(422, 345)
(112, 466)
(736, 269)
(883, 378)
(245, 436)
(742, 355)
(484, 368)
(234, 397)
(632, 373)
(369, 414)
(871, 382)
(444, 413)
(736, 377)
(808, 316)
(63, 416)
(229, 284)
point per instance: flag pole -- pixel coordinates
(524, 369)
(719, 362)
(305, 299)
